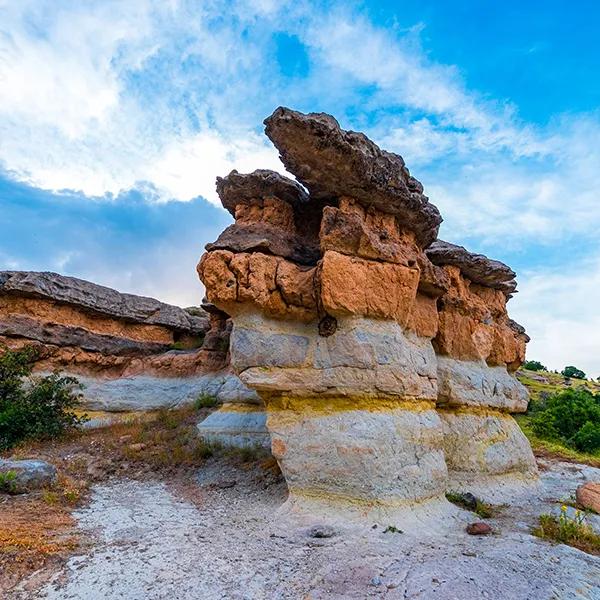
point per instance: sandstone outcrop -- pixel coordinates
(383, 359)
(130, 352)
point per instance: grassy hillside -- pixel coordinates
(542, 384)
(539, 382)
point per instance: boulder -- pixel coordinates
(29, 474)
(331, 162)
(239, 188)
(479, 528)
(588, 496)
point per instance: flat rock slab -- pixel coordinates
(29, 474)
(477, 267)
(100, 299)
(151, 544)
(331, 162)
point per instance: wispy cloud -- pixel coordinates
(161, 97)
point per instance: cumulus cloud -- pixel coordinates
(116, 96)
(163, 96)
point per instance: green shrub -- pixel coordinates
(205, 401)
(34, 408)
(534, 365)
(571, 417)
(587, 439)
(7, 482)
(573, 372)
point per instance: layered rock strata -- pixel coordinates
(130, 352)
(384, 359)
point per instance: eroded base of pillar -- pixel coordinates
(359, 457)
(487, 453)
(237, 425)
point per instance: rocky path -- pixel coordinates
(226, 540)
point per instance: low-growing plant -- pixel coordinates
(205, 400)
(34, 408)
(8, 482)
(571, 530)
(247, 454)
(392, 529)
(171, 440)
(470, 502)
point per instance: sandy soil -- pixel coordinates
(226, 537)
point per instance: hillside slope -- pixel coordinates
(540, 385)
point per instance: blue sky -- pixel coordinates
(116, 117)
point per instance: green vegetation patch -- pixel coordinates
(34, 408)
(468, 501)
(571, 418)
(570, 530)
(8, 482)
(205, 401)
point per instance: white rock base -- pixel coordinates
(237, 425)
(486, 453)
(365, 457)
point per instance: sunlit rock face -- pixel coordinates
(382, 356)
(130, 352)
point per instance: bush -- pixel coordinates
(587, 439)
(534, 365)
(571, 417)
(573, 372)
(34, 408)
(205, 400)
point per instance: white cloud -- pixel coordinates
(559, 308)
(106, 96)
(188, 168)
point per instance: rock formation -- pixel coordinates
(130, 352)
(382, 356)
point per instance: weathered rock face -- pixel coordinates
(331, 163)
(130, 352)
(384, 361)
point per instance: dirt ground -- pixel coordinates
(169, 521)
(38, 532)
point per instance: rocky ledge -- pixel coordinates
(131, 352)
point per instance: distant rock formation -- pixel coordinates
(130, 352)
(383, 357)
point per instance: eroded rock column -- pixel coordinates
(479, 348)
(328, 329)
(382, 357)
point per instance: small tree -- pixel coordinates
(534, 365)
(571, 417)
(573, 372)
(33, 408)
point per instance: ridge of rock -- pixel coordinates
(476, 267)
(99, 299)
(332, 162)
(238, 188)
